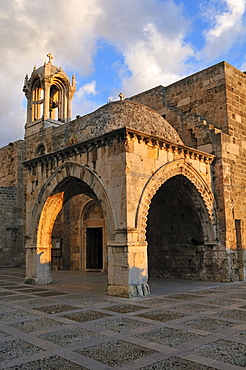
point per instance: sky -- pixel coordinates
(112, 46)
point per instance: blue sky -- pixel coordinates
(113, 46)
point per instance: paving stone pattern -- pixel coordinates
(63, 326)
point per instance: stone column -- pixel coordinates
(46, 100)
(37, 266)
(127, 268)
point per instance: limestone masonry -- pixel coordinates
(152, 185)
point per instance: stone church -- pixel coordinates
(152, 185)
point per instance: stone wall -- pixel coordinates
(191, 103)
(208, 111)
(11, 205)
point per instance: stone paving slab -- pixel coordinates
(34, 302)
(73, 325)
(121, 324)
(49, 293)
(161, 315)
(208, 324)
(82, 301)
(66, 337)
(4, 335)
(14, 297)
(168, 336)
(240, 335)
(194, 307)
(3, 294)
(125, 308)
(37, 325)
(116, 352)
(83, 316)
(176, 363)
(8, 314)
(56, 308)
(186, 296)
(160, 301)
(32, 290)
(15, 286)
(49, 363)
(225, 351)
(233, 314)
(222, 301)
(13, 348)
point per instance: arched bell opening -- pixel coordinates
(37, 101)
(58, 100)
(53, 107)
(178, 226)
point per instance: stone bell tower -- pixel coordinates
(49, 94)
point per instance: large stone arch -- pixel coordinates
(46, 193)
(159, 177)
(46, 208)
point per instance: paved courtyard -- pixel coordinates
(73, 324)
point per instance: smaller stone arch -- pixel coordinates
(93, 227)
(164, 173)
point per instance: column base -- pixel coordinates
(38, 281)
(131, 291)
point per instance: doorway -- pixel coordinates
(174, 231)
(94, 248)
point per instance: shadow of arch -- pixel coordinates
(164, 173)
(83, 180)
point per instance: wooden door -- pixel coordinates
(94, 248)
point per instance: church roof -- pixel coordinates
(125, 113)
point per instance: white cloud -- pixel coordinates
(158, 59)
(82, 102)
(243, 66)
(227, 24)
(87, 89)
(150, 35)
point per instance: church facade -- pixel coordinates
(152, 185)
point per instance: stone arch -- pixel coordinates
(48, 190)
(164, 173)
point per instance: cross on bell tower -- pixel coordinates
(50, 56)
(49, 94)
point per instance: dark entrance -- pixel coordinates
(174, 231)
(94, 248)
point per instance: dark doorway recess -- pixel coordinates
(94, 248)
(174, 231)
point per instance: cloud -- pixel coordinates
(158, 59)
(82, 103)
(149, 34)
(150, 37)
(227, 24)
(87, 89)
(152, 44)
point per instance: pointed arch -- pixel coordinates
(53, 186)
(159, 177)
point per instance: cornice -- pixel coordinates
(121, 134)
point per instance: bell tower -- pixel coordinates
(49, 94)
